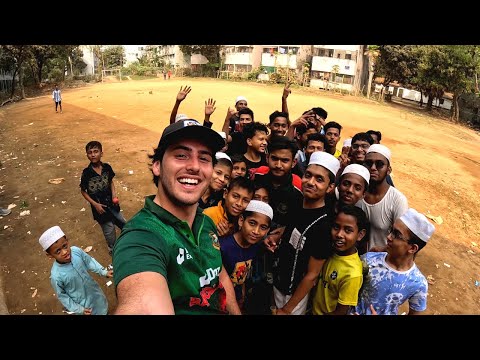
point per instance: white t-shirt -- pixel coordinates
(383, 214)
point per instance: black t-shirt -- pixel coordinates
(98, 187)
(238, 145)
(317, 244)
(212, 200)
(285, 200)
(254, 165)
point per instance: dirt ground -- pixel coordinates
(436, 164)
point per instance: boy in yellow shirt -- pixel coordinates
(341, 276)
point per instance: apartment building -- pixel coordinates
(338, 67)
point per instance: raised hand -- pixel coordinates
(210, 107)
(182, 94)
(286, 90)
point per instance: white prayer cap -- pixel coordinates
(239, 98)
(180, 117)
(221, 155)
(326, 160)
(222, 134)
(347, 142)
(50, 236)
(359, 170)
(381, 149)
(260, 207)
(418, 224)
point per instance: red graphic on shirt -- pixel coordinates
(240, 272)
(205, 295)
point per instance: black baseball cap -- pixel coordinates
(192, 129)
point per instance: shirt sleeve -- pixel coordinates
(348, 292)
(138, 251)
(401, 205)
(92, 264)
(84, 181)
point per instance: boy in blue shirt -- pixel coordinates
(73, 285)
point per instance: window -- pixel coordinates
(348, 56)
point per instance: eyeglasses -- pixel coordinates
(396, 234)
(363, 146)
(379, 164)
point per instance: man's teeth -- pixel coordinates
(188, 181)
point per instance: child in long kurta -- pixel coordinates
(74, 286)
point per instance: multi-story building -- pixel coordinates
(340, 67)
(133, 53)
(242, 58)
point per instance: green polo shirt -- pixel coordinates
(189, 259)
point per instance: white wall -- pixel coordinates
(198, 59)
(239, 58)
(325, 64)
(322, 84)
(282, 59)
(132, 52)
(89, 59)
(339, 47)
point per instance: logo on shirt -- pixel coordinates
(333, 275)
(182, 254)
(215, 242)
(210, 275)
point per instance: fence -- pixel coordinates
(6, 82)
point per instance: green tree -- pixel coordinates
(211, 52)
(372, 53)
(114, 56)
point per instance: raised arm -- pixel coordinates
(286, 92)
(307, 283)
(209, 109)
(226, 124)
(144, 293)
(182, 94)
(232, 305)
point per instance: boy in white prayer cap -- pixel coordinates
(393, 277)
(73, 285)
(240, 249)
(382, 203)
(306, 243)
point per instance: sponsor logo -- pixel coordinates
(215, 242)
(210, 275)
(183, 255)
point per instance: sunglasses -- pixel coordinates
(363, 146)
(379, 164)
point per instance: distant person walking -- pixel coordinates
(169, 73)
(164, 75)
(57, 97)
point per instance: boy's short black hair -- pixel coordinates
(93, 144)
(374, 132)
(236, 158)
(276, 114)
(224, 162)
(357, 213)
(249, 130)
(320, 112)
(363, 136)
(281, 143)
(242, 182)
(332, 124)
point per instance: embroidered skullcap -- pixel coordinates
(418, 224)
(359, 170)
(326, 160)
(50, 236)
(260, 207)
(239, 98)
(381, 149)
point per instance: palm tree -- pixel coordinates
(372, 52)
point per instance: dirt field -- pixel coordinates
(436, 164)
